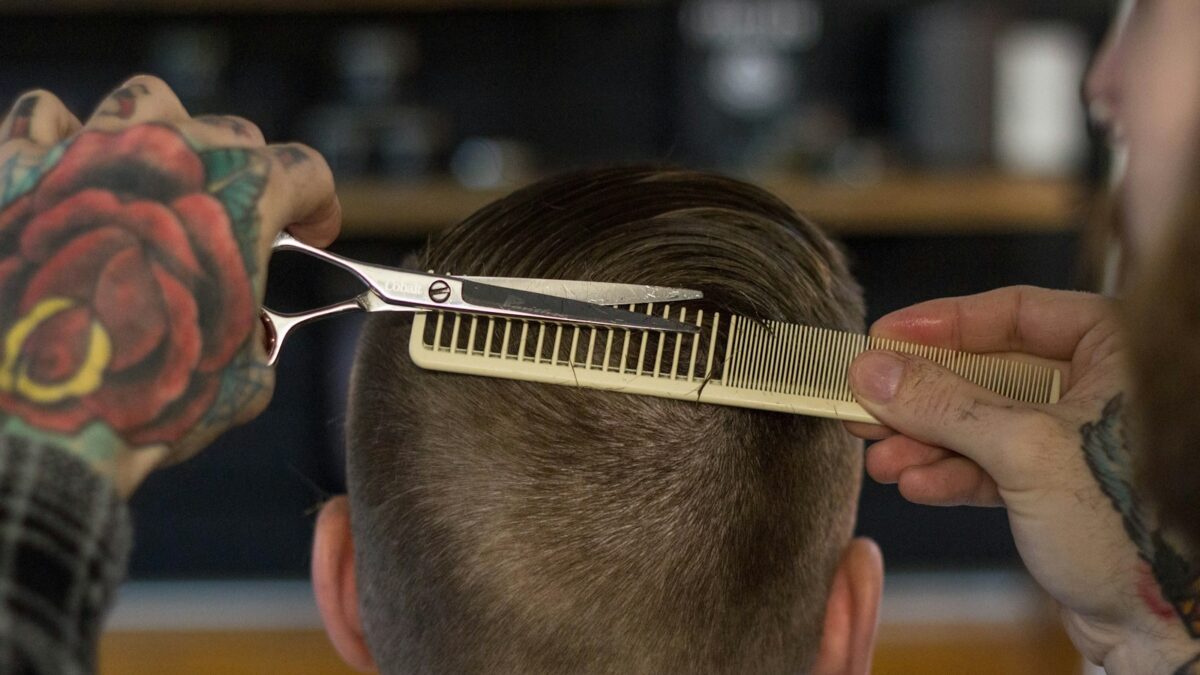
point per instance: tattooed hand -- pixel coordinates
(133, 254)
(1064, 472)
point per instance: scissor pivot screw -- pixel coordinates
(439, 291)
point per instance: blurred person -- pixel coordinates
(497, 526)
(1086, 527)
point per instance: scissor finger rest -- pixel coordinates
(277, 326)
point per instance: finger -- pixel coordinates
(225, 131)
(954, 481)
(39, 117)
(1035, 321)
(143, 98)
(868, 432)
(929, 404)
(886, 460)
(300, 196)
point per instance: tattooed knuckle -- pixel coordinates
(243, 126)
(292, 156)
(151, 82)
(240, 127)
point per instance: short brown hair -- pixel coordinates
(504, 526)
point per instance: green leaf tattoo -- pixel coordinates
(238, 179)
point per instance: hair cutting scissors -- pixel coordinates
(398, 290)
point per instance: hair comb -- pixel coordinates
(731, 360)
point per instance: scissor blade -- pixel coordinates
(520, 303)
(595, 292)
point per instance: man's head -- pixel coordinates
(503, 526)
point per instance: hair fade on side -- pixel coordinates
(504, 526)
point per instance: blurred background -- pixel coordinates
(944, 143)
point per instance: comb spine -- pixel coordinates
(712, 349)
(454, 334)
(491, 333)
(574, 345)
(695, 346)
(678, 345)
(608, 343)
(732, 360)
(471, 334)
(591, 352)
(523, 341)
(645, 336)
(662, 338)
(558, 333)
(507, 335)
(541, 342)
(437, 330)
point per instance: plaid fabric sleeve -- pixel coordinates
(64, 543)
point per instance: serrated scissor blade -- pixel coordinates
(594, 292)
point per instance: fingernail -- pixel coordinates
(875, 376)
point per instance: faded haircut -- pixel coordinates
(512, 527)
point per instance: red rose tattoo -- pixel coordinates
(125, 291)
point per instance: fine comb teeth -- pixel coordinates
(733, 361)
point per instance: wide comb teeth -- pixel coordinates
(734, 361)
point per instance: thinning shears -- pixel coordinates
(398, 290)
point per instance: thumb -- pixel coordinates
(928, 403)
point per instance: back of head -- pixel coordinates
(504, 526)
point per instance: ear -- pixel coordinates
(852, 612)
(334, 583)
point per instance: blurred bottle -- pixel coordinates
(193, 61)
(481, 163)
(1040, 126)
(371, 131)
(741, 74)
(944, 84)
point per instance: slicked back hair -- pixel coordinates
(512, 527)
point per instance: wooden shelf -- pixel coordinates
(289, 6)
(898, 205)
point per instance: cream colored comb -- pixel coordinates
(732, 361)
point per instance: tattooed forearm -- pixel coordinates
(125, 101)
(126, 296)
(1106, 450)
(20, 117)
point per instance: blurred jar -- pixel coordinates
(943, 84)
(192, 60)
(371, 131)
(1040, 126)
(742, 75)
(481, 163)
